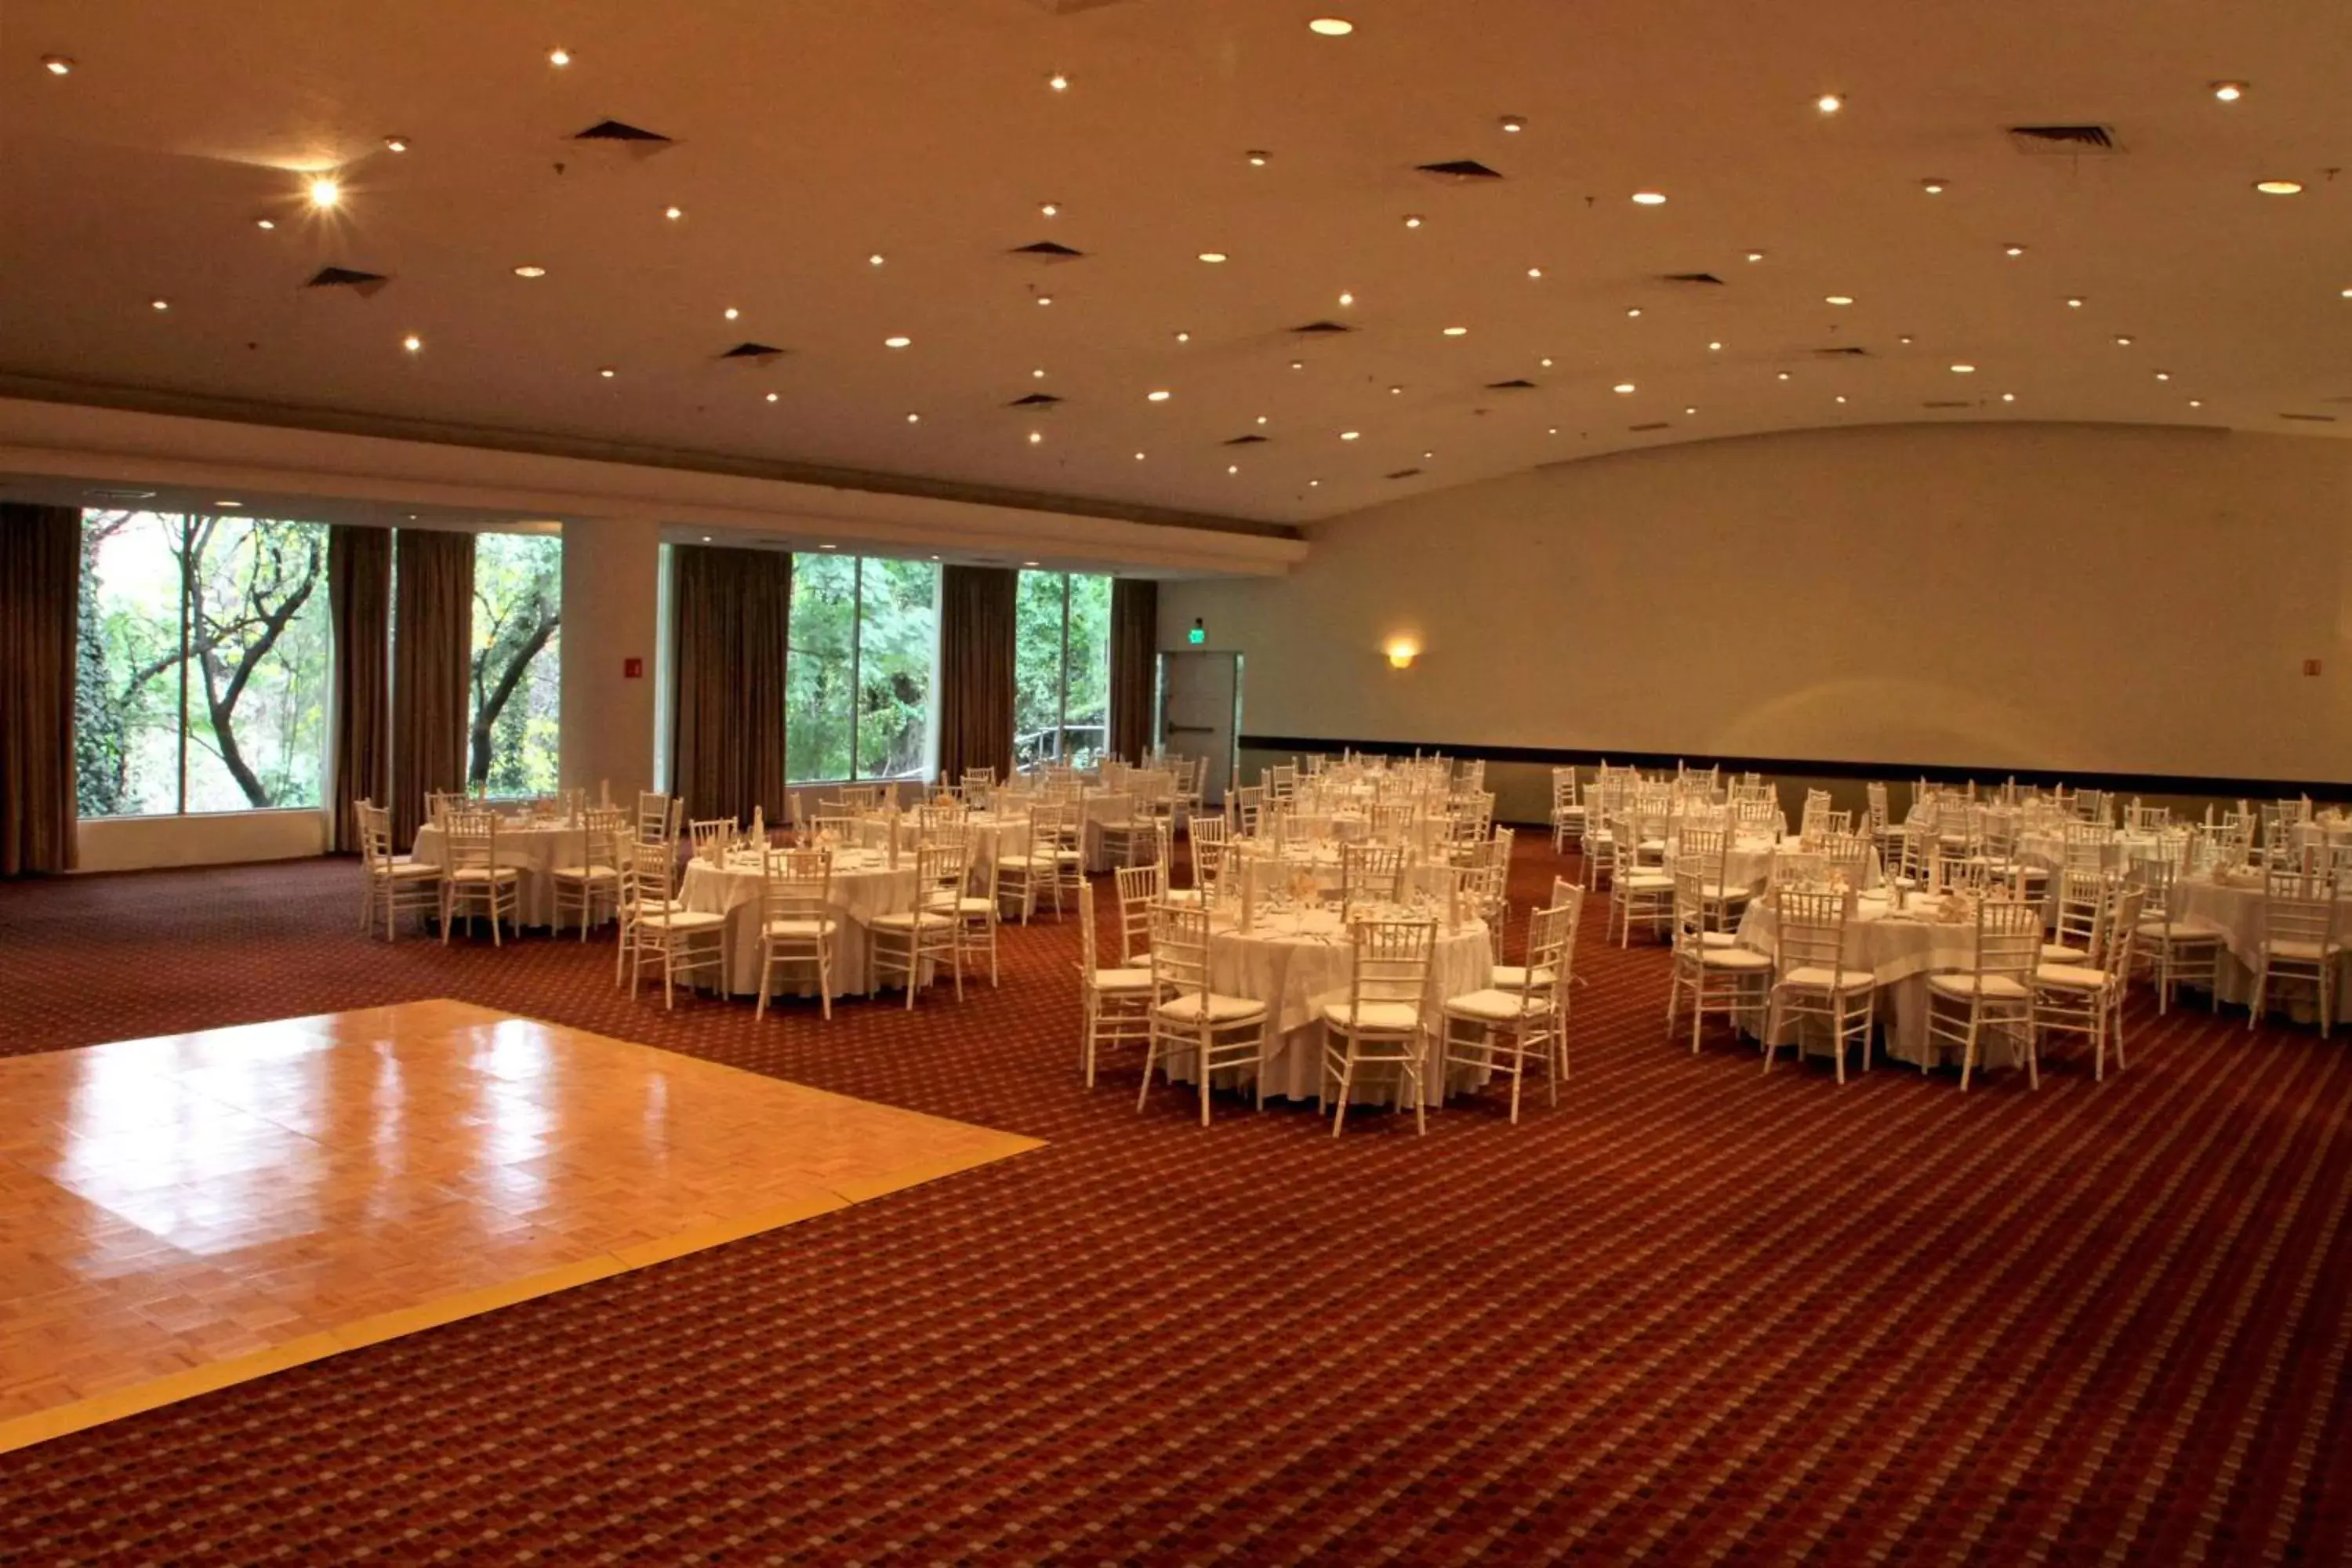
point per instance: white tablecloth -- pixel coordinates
(1901, 950)
(1749, 862)
(2235, 909)
(863, 886)
(1296, 964)
(994, 837)
(533, 848)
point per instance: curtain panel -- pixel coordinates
(432, 655)
(732, 620)
(1134, 664)
(40, 604)
(976, 615)
(359, 600)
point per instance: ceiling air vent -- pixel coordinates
(1520, 383)
(1246, 441)
(759, 353)
(1461, 171)
(1046, 250)
(2311, 419)
(347, 278)
(620, 130)
(1402, 474)
(1653, 424)
(1947, 403)
(1035, 400)
(2064, 139)
(1690, 277)
(1843, 354)
(1319, 328)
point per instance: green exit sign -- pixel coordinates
(1198, 634)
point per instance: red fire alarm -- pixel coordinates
(633, 669)
(2311, 666)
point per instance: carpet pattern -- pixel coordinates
(1693, 1313)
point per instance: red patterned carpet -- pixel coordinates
(1693, 1313)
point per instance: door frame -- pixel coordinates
(1160, 708)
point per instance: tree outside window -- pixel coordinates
(1061, 668)
(865, 642)
(516, 672)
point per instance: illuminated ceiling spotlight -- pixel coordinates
(2279, 187)
(411, 343)
(57, 64)
(1331, 26)
(1932, 186)
(1830, 102)
(559, 56)
(1649, 198)
(2229, 91)
(1058, 82)
(324, 191)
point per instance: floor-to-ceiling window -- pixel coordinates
(859, 683)
(203, 664)
(1061, 668)
(514, 713)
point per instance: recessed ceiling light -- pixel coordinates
(2196, 403)
(558, 57)
(828, 547)
(914, 420)
(2229, 91)
(1351, 435)
(1035, 437)
(1396, 391)
(1514, 123)
(1428, 455)
(411, 343)
(1546, 363)
(324, 192)
(607, 371)
(396, 143)
(1837, 299)
(1551, 430)
(1346, 298)
(1045, 298)
(1692, 410)
(1933, 187)
(57, 64)
(1331, 26)
(1232, 467)
(731, 312)
(2123, 340)
(1156, 396)
(2074, 301)
(1049, 209)
(1905, 338)
(1964, 370)
(265, 223)
(1412, 220)
(2013, 250)
(1650, 198)
(1257, 157)
(1261, 418)
(2164, 375)
(673, 213)
(1830, 102)
(1298, 364)
(1534, 271)
(1138, 457)
(2279, 187)
(530, 269)
(2345, 294)
(1634, 311)
(1213, 256)
(1037, 375)
(2009, 397)
(772, 396)
(1841, 398)
(706, 539)
(1058, 82)
(158, 304)
(1755, 255)
(895, 342)
(1184, 337)
(1714, 347)
(228, 503)
(877, 259)
(1457, 332)
(1029, 563)
(1784, 375)
(1622, 386)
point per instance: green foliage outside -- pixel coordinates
(865, 641)
(517, 670)
(1061, 702)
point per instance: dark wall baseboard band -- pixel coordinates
(1822, 768)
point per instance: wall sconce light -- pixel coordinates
(1401, 653)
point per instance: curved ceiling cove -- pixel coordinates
(1441, 242)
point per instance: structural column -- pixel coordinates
(612, 605)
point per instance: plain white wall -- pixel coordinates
(612, 597)
(2072, 597)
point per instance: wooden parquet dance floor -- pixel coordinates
(186, 1212)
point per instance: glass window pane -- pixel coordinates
(512, 743)
(897, 643)
(259, 639)
(817, 696)
(1087, 707)
(1037, 668)
(127, 680)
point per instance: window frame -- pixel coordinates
(857, 688)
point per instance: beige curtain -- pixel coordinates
(976, 612)
(433, 637)
(359, 599)
(732, 615)
(40, 600)
(1134, 664)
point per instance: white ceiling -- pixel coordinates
(811, 134)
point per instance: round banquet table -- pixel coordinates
(1901, 950)
(1749, 862)
(532, 848)
(1425, 879)
(2234, 907)
(1297, 962)
(864, 885)
(992, 835)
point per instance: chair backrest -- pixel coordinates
(795, 884)
(1876, 793)
(472, 839)
(844, 829)
(1370, 873)
(1808, 928)
(1392, 963)
(938, 876)
(1551, 940)
(650, 872)
(600, 832)
(2082, 896)
(1180, 950)
(1087, 960)
(2121, 929)
(1847, 855)
(2301, 906)
(376, 833)
(712, 835)
(1140, 887)
(655, 820)
(2009, 939)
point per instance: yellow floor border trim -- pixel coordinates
(23, 1431)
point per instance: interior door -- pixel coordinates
(1201, 713)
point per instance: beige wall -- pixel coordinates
(2084, 598)
(610, 595)
(223, 839)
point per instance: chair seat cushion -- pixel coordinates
(2059, 952)
(683, 921)
(1514, 977)
(409, 871)
(1188, 1009)
(1726, 893)
(2071, 977)
(1122, 980)
(1719, 939)
(656, 905)
(1494, 1006)
(485, 874)
(1183, 897)
(1733, 958)
(969, 905)
(2180, 932)
(584, 873)
(909, 920)
(1647, 883)
(2309, 951)
(1374, 1016)
(1813, 977)
(822, 926)
(1995, 987)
